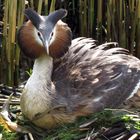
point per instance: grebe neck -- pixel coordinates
(38, 89)
(43, 67)
(42, 72)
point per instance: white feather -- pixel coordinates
(135, 90)
(35, 98)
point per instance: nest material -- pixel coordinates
(90, 127)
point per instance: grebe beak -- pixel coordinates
(45, 24)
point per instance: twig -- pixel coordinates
(13, 102)
(88, 124)
(104, 137)
(120, 135)
(133, 137)
(4, 96)
(124, 110)
(25, 137)
(30, 136)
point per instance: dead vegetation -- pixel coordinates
(110, 124)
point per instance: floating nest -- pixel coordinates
(110, 124)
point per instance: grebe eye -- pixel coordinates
(51, 35)
(39, 34)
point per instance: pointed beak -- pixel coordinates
(47, 25)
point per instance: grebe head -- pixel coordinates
(41, 34)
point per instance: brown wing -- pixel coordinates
(91, 77)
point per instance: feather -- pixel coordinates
(94, 77)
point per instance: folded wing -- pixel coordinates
(91, 77)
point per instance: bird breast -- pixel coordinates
(36, 96)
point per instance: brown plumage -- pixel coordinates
(28, 32)
(86, 78)
(95, 77)
(61, 40)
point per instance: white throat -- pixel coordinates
(41, 76)
(38, 88)
(43, 68)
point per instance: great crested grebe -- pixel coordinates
(86, 78)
